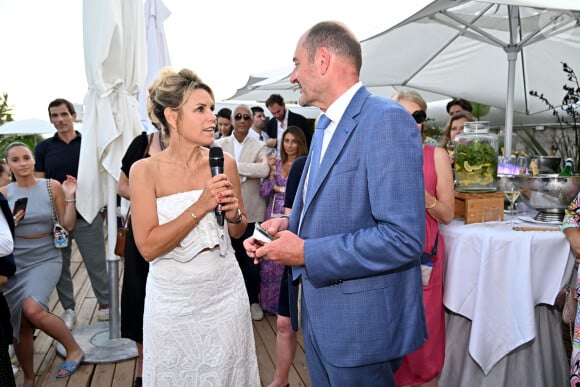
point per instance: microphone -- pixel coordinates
(216, 165)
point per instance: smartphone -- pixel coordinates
(261, 234)
(20, 204)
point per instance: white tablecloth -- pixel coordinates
(496, 276)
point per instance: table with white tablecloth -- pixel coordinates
(500, 287)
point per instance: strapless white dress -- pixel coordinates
(197, 329)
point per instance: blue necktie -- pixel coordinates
(323, 123)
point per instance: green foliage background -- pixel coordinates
(6, 115)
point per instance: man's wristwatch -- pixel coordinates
(237, 219)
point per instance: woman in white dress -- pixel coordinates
(197, 327)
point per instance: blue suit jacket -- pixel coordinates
(364, 230)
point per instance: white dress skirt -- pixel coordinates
(197, 328)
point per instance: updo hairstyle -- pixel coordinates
(171, 90)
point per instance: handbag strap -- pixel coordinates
(434, 249)
(126, 219)
(50, 195)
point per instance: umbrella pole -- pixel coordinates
(101, 342)
(113, 260)
(509, 110)
(512, 54)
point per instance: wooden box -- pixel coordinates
(470, 205)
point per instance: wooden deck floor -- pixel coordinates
(120, 374)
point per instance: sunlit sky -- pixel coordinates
(224, 41)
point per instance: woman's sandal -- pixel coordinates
(68, 368)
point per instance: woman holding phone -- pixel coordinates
(38, 261)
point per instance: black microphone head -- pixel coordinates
(216, 157)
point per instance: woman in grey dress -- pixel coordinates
(38, 262)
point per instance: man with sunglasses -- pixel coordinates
(252, 162)
(281, 119)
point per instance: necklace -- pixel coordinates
(161, 142)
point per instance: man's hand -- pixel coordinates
(272, 226)
(286, 248)
(271, 143)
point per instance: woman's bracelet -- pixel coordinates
(237, 219)
(70, 200)
(192, 214)
(432, 205)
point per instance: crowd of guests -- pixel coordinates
(192, 282)
(37, 196)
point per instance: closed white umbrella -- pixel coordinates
(157, 51)
(114, 45)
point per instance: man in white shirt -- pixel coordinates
(258, 129)
(281, 119)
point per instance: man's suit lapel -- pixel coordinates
(247, 150)
(342, 133)
(228, 145)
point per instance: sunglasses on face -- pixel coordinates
(420, 116)
(239, 116)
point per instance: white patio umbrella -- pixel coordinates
(157, 51)
(260, 86)
(26, 127)
(491, 52)
(278, 82)
(114, 44)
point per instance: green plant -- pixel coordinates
(432, 131)
(6, 112)
(567, 139)
(29, 140)
(479, 110)
(5, 109)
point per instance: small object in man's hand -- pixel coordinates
(261, 234)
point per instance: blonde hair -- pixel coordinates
(171, 90)
(410, 95)
(415, 97)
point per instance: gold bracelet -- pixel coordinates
(432, 205)
(70, 200)
(193, 215)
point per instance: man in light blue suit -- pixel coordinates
(355, 235)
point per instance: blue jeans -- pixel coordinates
(90, 240)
